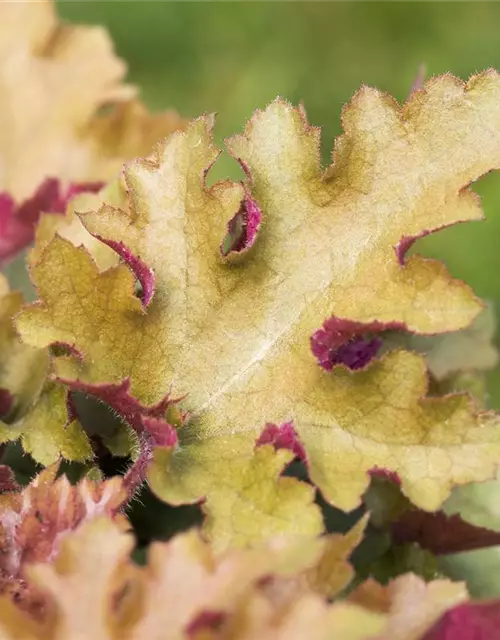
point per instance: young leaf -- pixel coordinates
(34, 521)
(234, 339)
(49, 431)
(31, 408)
(275, 501)
(333, 572)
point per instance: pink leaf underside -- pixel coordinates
(18, 220)
(144, 274)
(282, 437)
(285, 437)
(206, 621)
(243, 227)
(143, 419)
(349, 343)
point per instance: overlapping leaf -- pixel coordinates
(22, 368)
(454, 353)
(34, 521)
(43, 66)
(234, 338)
(413, 606)
(31, 408)
(50, 127)
(88, 588)
(70, 227)
(128, 131)
(95, 592)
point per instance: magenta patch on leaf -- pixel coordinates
(6, 402)
(468, 621)
(141, 418)
(144, 274)
(242, 228)
(348, 343)
(282, 437)
(18, 220)
(385, 474)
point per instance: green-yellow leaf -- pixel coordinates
(39, 412)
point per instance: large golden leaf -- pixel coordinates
(234, 335)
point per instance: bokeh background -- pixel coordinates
(233, 57)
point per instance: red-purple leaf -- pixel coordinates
(468, 621)
(442, 534)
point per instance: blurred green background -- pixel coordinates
(234, 57)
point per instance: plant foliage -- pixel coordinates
(270, 350)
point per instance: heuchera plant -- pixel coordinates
(266, 349)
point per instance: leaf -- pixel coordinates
(70, 227)
(32, 409)
(43, 66)
(34, 521)
(22, 368)
(95, 592)
(18, 222)
(442, 534)
(233, 339)
(333, 572)
(252, 502)
(470, 349)
(412, 605)
(49, 431)
(478, 620)
(50, 127)
(127, 131)
(8, 480)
